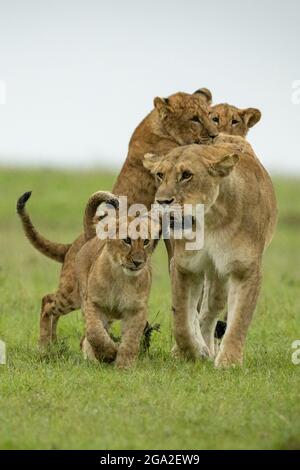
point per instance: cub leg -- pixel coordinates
(132, 332)
(243, 295)
(105, 349)
(53, 306)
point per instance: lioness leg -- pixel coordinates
(105, 349)
(186, 289)
(213, 303)
(243, 295)
(132, 332)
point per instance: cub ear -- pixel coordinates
(205, 93)
(251, 116)
(150, 161)
(224, 166)
(163, 106)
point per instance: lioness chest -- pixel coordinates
(217, 251)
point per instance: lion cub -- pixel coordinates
(114, 278)
(232, 120)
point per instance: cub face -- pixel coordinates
(190, 174)
(131, 242)
(186, 117)
(232, 120)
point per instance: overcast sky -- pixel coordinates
(80, 75)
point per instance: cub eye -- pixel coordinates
(216, 119)
(234, 122)
(160, 176)
(196, 119)
(146, 242)
(127, 241)
(186, 175)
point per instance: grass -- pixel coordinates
(61, 402)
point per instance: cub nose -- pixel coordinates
(165, 202)
(213, 135)
(137, 264)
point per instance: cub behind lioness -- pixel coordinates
(232, 120)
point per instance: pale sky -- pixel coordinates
(80, 75)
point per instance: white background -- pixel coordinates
(80, 75)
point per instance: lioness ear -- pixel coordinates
(150, 160)
(206, 93)
(163, 106)
(224, 166)
(251, 116)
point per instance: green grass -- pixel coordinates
(59, 401)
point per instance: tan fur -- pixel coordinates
(240, 218)
(111, 281)
(114, 278)
(232, 120)
(169, 125)
(55, 251)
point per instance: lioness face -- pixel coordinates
(132, 252)
(186, 118)
(232, 120)
(190, 174)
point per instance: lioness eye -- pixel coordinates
(160, 176)
(127, 241)
(196, 119)
(146, 242)
(234, 121)
(216, 119)
(186, 175)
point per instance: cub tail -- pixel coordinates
(90, 211)
(53, 250)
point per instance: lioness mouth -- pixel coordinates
(184, 223)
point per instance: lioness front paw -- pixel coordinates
(124, 362)
(226, 359)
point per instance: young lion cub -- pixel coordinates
(232, 120)
(114, 279)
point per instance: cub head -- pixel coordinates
(191, 174)
(186, 118)
(130, 240)
(232, 120)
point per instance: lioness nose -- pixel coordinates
(165, 202)
(213, 135)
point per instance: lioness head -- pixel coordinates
(232, 120)
(186, 118)
(130, 241)
(191, 174)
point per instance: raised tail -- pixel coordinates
(93, 203)
(53, 250)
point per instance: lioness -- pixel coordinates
(240, 218)
(115, 286)
(232, 120)
(177, 120)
